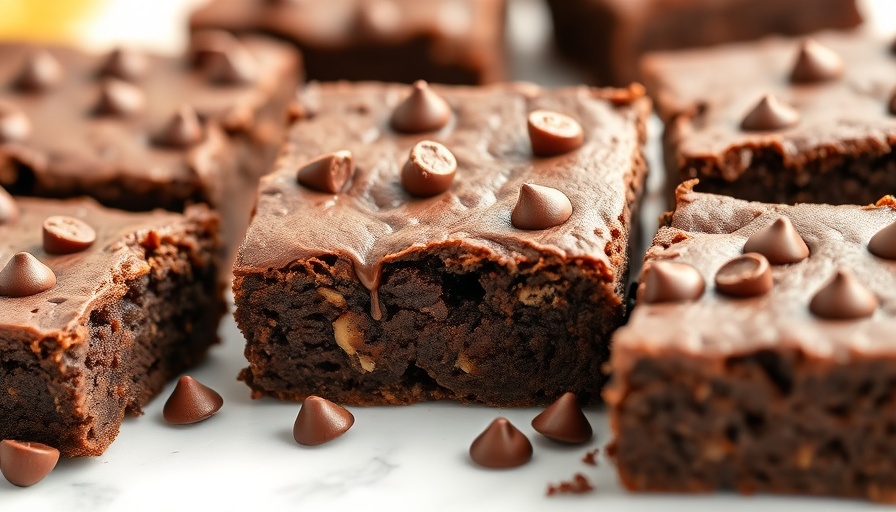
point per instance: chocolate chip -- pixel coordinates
(65, 235)
(191, 402)
(893, 103)
(816, 63)
(320, 421)
(9, 211)
(124, 64)
(883, 243)
(119, 98)
(844, 297)
(667, 281)
(770, 114)
(25, 275)
(539, 207)
(232, 66)
(328, 173)
(25, 463)
(14, 124)
(553, 134)
(564, 421)
(40, 72)
(206, 43)
(779, 242)
(429, 170)
(749, 275)
(182, 130)
(422, 111)
(377, 18)
(501, 445)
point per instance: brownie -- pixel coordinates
(368, 276)
(609, 36)
(447, 41)
(97, 318)
(138, 131)
(740, 371)
(781, 120)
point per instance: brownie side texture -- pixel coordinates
(760, 394)
(371, 297)
(137, 308)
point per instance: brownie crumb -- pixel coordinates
(590, 458)
(578, 485)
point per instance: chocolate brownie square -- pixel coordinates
(781, 120)
(100, 308)
(609, 36)
(447, 41)
(460, 243)
(760, 355)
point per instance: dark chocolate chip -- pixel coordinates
(501, 445)
(125, 64)
(779, 242)
(320, 421)
(232, 66)
(564, 421)
(430, 169)
(539, 207)
(40, 72)
(25, 463)
(667, 281)
(119, 98)
(844, 297)
(422, 111)
(65, 235)
(191, 402)
(816, 63)
(9, 211)
(183, 129)
(883, 243)
(14, 124)
(553, 134)
(206, 43)
(770, 114)
(328, 173)
(749, 275)
(25, 275)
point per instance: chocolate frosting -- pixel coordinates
(375, 221)
(707, 231)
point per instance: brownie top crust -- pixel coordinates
(374, 220)
(840, 91)
(708, 231)
(81, 275)
(74, 117)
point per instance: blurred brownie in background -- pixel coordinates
(609, 36)
(446, 41)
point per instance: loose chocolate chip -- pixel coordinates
(770, 114)
(206, 43)
(667, 281)
(232, 66)
(14, 124)
(553, 134)
(119, 98)
(191, 402)
(430, 169)
(328, 173)
(501, 445)
(9, 211)
(124, 64)
(65, 235)
(40, 72)
(883, 243)
(183, 129)
(749, 275)
(25, 275)
(539, 207)
(320, 421)
(844, 297)
(25, 463)
(816, 63)
(779, 242)
(422, 111)
(564, 421)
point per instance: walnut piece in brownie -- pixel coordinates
(91, 335)
(502, 289)
(789, 388)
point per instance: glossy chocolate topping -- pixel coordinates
(24, 463)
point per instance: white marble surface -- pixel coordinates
(396, 459)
